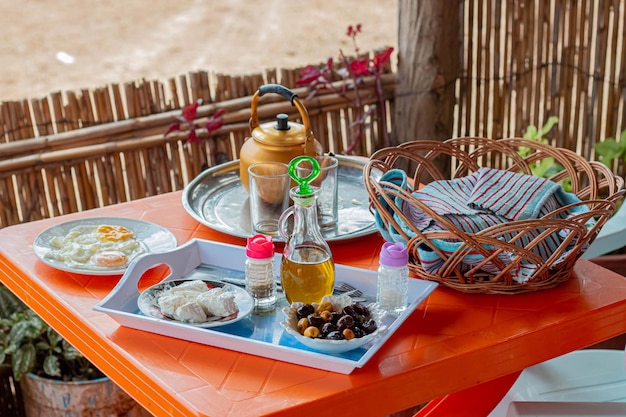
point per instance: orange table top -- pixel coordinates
(451, 342)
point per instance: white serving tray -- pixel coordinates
(259, 335)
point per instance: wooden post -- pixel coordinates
(428, 67)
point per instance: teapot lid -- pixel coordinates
(280, 132)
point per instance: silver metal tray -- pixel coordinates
(217, 199)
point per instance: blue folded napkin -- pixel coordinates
(486, 198)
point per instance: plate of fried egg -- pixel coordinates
(100, 245)
(202, 303)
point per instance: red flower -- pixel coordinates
(313, 76)
(188, 116)
(359, 67)
(308, 75)
(353, 30)
(189, 112)
(215, 121)
(381, 59)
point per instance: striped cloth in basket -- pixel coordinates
(487, 197)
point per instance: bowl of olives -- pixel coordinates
(335, 325)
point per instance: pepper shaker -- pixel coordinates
(260, 276)
(393, 278)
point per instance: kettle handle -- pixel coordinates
(309, 148)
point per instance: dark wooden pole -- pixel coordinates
(428, 66)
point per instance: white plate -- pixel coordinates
(153, 237)
(585, 376)
(333, 346)
(148, 305)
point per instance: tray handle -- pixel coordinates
(181, 261)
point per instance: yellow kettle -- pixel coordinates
(276, 141)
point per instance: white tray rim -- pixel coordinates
(121, 305)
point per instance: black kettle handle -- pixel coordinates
(289, 95)
(278, 89)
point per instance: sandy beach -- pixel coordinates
(59, 45)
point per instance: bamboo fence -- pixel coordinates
(526, 60)
(72, 152)
(522, 61)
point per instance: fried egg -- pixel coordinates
(96, 247)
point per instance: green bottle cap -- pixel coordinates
(304, 182)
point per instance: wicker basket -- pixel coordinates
(592, 182)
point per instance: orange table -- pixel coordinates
(452, 342)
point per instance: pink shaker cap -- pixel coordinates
(259, 247)
(394, 254)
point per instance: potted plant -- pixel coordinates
(55, 379)
(11, 403)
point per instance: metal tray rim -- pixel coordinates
(223, 170)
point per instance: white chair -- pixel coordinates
(586, 377)
(612, 236)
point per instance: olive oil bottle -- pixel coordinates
(307, 271)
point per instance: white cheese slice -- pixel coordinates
(217, 302)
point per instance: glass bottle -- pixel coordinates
(260, 274)
(393, 277)
(307, 271)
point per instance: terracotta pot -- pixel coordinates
(45, 397)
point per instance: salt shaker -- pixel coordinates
(393, 277)
(260, 274)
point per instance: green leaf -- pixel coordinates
(552, 120)
(24, 360)
(531, 132)
(608, 150)
(19, 332)
(51, 366)
(553, 169)
(71, 353)
(543, 167)
(53, 337)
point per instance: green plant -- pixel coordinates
(611, 150)
(30, 345)
(546, 167)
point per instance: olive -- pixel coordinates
(304, 311)
(349, 310)
(358, 332)
(315, 320)
(361, 309)
(336, 335)
(328, 328)
(369, 326)
(345, 322)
